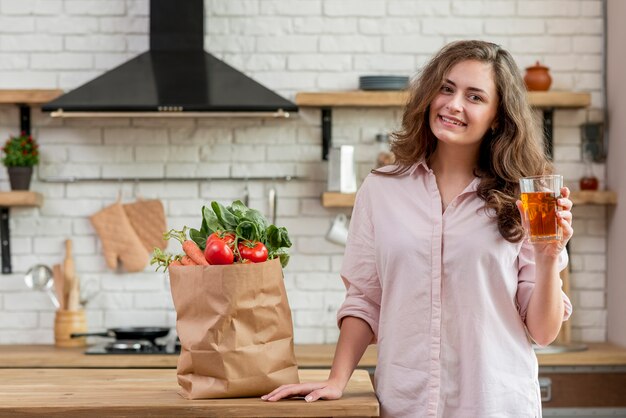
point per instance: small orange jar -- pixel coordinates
(537, 77)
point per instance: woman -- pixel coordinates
(437, 269)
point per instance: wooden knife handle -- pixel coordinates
(68, 271)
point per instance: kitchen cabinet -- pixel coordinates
(547, 101)
(153, 392)
(583, 387)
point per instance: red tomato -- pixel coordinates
(253, 251)
(218, 250)
(228, 237)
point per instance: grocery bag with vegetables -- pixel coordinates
(232, 313)
(233, 234)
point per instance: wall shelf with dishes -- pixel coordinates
(584, 197)
(547, 101)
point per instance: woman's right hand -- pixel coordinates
(311, 391)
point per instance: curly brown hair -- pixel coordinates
(512, 150)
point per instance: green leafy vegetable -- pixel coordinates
(225, 216)
(246, 224)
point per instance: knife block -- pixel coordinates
(66, 323)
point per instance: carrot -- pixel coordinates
(187, 261)
(194, 252)
(175, 263)
(190, 248)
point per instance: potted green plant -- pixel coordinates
(21, 153)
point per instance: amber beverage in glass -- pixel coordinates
(539, 198)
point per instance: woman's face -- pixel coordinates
(466, 105)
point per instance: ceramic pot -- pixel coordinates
(19, 177)
(537, 78)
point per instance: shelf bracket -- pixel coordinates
(548, 132)
(5, 242)
(24, 118)
(327, 119)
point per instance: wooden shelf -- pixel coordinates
(594, 197)
(338, 200)
(20, 198)
(28, 97)
(587, 197)
(559, 99)
(355, 98)
(360, 98)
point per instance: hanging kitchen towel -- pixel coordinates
(147, 218)
(235, 329)
(119, 240)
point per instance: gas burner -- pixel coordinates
(133, 347)
(125, 346)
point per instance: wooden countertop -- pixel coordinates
(154, 392)
(308, 356)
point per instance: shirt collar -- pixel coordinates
(421, 165)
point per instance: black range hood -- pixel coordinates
(176, 77)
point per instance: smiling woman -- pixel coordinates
(466, 105)
(436, 268)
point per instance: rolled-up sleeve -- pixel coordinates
(358, 272)
(526, 280)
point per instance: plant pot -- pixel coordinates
(19, 177)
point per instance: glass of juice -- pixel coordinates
(539, 198)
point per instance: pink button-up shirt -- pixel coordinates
(446, 297)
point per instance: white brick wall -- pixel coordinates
(290, 46)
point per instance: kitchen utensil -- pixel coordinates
(338, 232)
(39, 277)
(71, 281)
(68, 271)
(65, 324)
(341, 169)
(246, 195)
(129, 333)
(57, 276)
(73, 299)
(88, 290)
(272, 204)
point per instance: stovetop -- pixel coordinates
(134, 347)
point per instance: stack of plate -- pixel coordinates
(383, 82)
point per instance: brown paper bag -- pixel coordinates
(235, 329)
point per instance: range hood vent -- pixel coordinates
(176, 77)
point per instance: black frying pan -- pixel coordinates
(130, 333)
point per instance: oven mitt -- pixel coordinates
(147, 218)
(119, 240)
